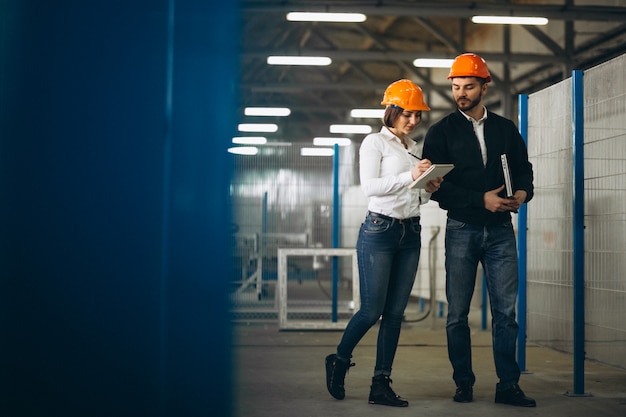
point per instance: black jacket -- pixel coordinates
(452, 140)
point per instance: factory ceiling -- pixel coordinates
(368, 56)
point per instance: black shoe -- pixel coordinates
(381, 393)
(514, 396)
(464, 393)
(336, 370)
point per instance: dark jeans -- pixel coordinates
(388, 253)
(495, 248)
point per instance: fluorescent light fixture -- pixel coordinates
(433, 63)
(250, 140)
(277, 144)
(364, 129)
(266, 111)
(510, 20)
(243, 150)
(258, 127)
(317, 151)
(325, 17)
(320, 141)
(367, 113)
(299, 60)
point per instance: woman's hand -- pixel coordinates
(419, 169)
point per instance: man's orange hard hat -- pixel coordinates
(469, 65)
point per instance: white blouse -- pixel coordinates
(385, 172)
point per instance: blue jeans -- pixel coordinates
(495, 248)
(388, 252)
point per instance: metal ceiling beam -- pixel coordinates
(443, 37)
(290, 88)
(437, 9)
(314, 114)
(369, 55)
(380, 42)
(325, 109)
(596, 42)
(545, 40)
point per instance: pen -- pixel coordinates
(415, 156)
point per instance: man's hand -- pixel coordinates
(494, 203)
(433, 185)
(519, 197)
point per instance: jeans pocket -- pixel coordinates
(376, 224)
(452, 224)
(416, 227)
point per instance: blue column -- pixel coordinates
(578, 230)
(522, 221)
(335, 233)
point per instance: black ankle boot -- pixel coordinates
(381, 393)
(336, 370)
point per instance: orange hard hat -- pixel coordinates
(469, 65)
(405, 94)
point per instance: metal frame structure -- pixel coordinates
(284, 323)
(367, 56)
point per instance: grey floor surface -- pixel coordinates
(281, 374)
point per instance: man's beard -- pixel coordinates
(469, 104)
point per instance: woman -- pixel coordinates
(389, 242)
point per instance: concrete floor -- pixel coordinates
(281, 374)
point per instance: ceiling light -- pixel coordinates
(367, 113)
(317, 152)
(510, 20)
(266, 111)
(299, 60)
(319, 141)
(325, 17)
(364, 129)
(278, 144)
(243, 150)
(250, 140)
(433, 63)
(258, 127)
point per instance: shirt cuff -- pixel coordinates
(406, 178)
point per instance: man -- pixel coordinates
(479, 227)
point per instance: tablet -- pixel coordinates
(435, 170)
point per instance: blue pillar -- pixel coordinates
(578, 230)
(335, 233)
(522, 221)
